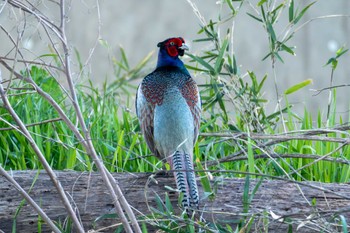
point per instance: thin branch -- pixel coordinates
(319, 17)
(318, 91)
(278, 156)
(92, 50)
(35, 12)
(33, 124)
(279, 138)
(29, 200)
(33, 63)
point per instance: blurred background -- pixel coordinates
(97, 29)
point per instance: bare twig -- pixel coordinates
(277, 138)
(277, 156)
(29, 200)
(33, 124)
(33, 63)
(318, 91)
(318, 18)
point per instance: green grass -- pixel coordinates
(115, 134)
(113, 131)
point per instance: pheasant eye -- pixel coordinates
(172, 43)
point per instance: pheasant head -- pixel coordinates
(169, 52)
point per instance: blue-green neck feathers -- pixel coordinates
(165, 60)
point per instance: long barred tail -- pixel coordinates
(185, 179)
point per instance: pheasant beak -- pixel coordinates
(184, 47)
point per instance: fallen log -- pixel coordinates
(276, 206)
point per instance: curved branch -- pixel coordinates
(33, 124)
(278, 156)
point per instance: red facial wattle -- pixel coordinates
(173, 45)
(172, 51)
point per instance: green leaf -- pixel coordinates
(202, 62)
(254, 17)
(277, 8)
(229, 3)
(106, 216)
(261, 2)
(253, 78)
(203, 177)
(195, 68)
(344, 224)
(330, 61)
(250, 154)
(142, 63)
(287, 49)
(246, 202)
(232, 64)
(256, 188)
(77, 54)
(278, 56)
(300, 15)
(235, 68)
(334, 64)
(274, 13)
(262, 83)
(271, 31)
(104, 43)
(297, 86)
(168, 204)
(277, 113)
(341, 51)
(334, 60)
(219, 59)
(313, 202)
(220, 100)
(124, 58)
(259, 100)
(264, 58)
(203, 40)
(263, 13)
(48, 55)
(159, 203)
(291, 11)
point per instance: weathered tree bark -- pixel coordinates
(293, 203)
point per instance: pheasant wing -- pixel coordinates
(190, 92)
(145, 113)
